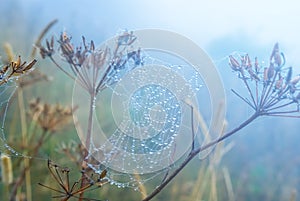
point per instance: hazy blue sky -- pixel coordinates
(262, 22)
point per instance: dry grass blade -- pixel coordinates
(200, 120)
(41, 36)
(9, 52)
(200, 185)
(228, 184)
(293, 195)
(141, 186)
(213, 186)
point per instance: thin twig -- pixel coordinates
(195, 152)
(280, 106)
(248, 88)
(280, 115)
(244, 99)
(269, 89)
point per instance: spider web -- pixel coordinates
(6, 93)
(147, 128)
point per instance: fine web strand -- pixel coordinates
(7, 91)
(150, 121)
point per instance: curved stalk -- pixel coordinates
(193, 153)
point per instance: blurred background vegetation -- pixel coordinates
(263, 164)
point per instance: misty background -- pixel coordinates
(266, 153)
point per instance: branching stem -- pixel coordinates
(196, 151)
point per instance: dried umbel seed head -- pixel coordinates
(19, 68)
(15, 69)
(234, 64)
(277, 57)
(256, 65)
(66, 47)
(87, 182)
(265, 74)
(278, 84)
(295, 80)
(126, 38)
(248, 63)
(50, 117)
(83, 53)
(297, 97)
(6, 169)
(48, 50)
(289, 75)
(271, 71)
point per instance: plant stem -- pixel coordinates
(22, 175)
(63, 70)
(249, 89)
(24, 143)
(90, 122)
(270, 89)
(193, 153)
(88, 139)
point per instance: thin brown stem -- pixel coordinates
(262, 95)
(24, 143)
(256, 92)
(60, 68)
(269, 89)
(88, 139)
(280, 106)
(244, 99)
(249, 89)
(90, 121)
(283, 115)
(21, 177)
(274, 100)
(197, 151)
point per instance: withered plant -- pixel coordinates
(69, 190)
(270, 90)
(14, 70)
(45, 121)
(92, 69)
(18, 74)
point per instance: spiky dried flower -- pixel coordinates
(47, 51)
(270, 95)
(68, 190)
(73, 150)
(94, 69)
(14, 69)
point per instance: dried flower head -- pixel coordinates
(48, 50)
(68, 190)
(94, 69)
(73, 150)
(15, 69)
(274, 91)
(50, 117)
